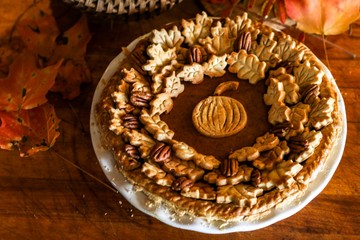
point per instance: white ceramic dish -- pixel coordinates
(141, 202)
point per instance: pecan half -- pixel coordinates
(181, 183)
(132, 151)
(124, 160)
(298, 144)
(287, 65)
(282, 129)
(310, 93)
(195, 54)
(229, 167)
(141, 99)
(130, 121)
(244, 41)
(256, 177)
(161, 152)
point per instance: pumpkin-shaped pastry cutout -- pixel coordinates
(219, 116)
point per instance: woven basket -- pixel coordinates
(123, 7)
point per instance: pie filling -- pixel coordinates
(180, 118)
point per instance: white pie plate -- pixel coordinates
(141, 202)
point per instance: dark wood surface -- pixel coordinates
(60, 193)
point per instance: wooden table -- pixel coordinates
(52, 196)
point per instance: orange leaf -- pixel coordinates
(268, 6)
(70, 76)
(328, 17)
(72, 46)
(250, 4)
(10, 132)
(30, 131)
(42, 36)
(26, 85)
(39, 31)
(281, 11)
(72, 43)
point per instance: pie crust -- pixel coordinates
(135, 118)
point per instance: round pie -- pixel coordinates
(222, 119)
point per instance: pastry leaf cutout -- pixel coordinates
(195, 31)
(246, 66)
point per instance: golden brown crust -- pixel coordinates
(281, 179)
(330, 133)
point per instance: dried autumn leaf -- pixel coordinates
(10, 132)
(8, 52)
(38, 30)
(246, 66)
(9, 13)
(72, 45)
(69, 79)
(280, 11)
(26, 85)
(328, 17)
(42, 37)
(30, 131)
